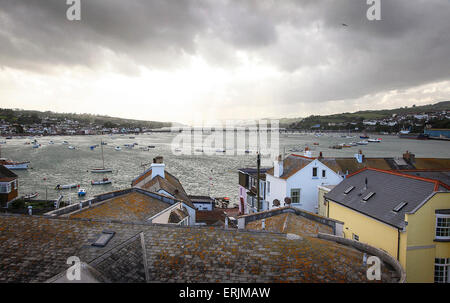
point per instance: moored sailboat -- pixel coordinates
(102, 169)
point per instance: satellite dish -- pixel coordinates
(276, 202)
(287, 201)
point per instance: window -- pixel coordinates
(349, 189)
(399, 207)
(324, 173)
(5, 188)
(314, 171)
(268, 187)
(442, 270)
(295, 195)
(355, 237)
(442, 226)
(369, 195)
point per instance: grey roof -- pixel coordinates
(443, 176)
(390, 190)
(6, 173)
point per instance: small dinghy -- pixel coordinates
(117, 148)
(67, 186)
(71, 147)
(102, 182)
(81, 192)
(362, 142)
(30, 196)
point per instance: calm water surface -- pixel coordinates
(59, 165)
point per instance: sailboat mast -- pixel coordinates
(103, 159)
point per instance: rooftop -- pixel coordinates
(128, 207)
(35, 249)
(343, 165)
(385, 191)
(6, 174)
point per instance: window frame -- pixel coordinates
(292, 196)
(441, 228)
(442, 266)
(314, 170)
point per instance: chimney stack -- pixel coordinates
(307, 152)
(359, 156)
(409, 157)
(157, 167)
(278, 167)
(320, 155)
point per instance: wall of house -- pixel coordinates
(422, 248)
(203, 206)
(307, 184)
(243, 195)
(322, 205)
(191, 213)
(369, 230)
(277, 190)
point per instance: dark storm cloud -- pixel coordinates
(305, 40)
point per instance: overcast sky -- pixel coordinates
(190, 60)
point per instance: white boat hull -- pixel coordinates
(17, 166)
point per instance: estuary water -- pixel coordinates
(214, 174)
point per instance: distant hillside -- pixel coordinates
(371, 114)
(32, 116)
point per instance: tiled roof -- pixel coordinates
(35, 249)
(169, 184)
(210, 217)
(390, 188)
(129, 207)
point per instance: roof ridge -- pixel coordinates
(396, 173)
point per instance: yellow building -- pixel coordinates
(405, 215)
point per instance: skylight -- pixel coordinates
(349, 189)
(369, 195)
(400, 206)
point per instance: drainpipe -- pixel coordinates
(398, 245)
(258, 165)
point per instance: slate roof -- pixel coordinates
(6, 174)
(35, 249)
(442, 176)
(293, 163)
(390, 190)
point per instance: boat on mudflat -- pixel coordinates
(81, 192)
(101, 182)
(377, 140)
(413, 136)
(30, 196)
(67, 186)
(13, 164)
(363, 142)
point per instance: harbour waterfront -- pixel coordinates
(54, 164)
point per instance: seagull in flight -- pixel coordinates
(343, 24)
